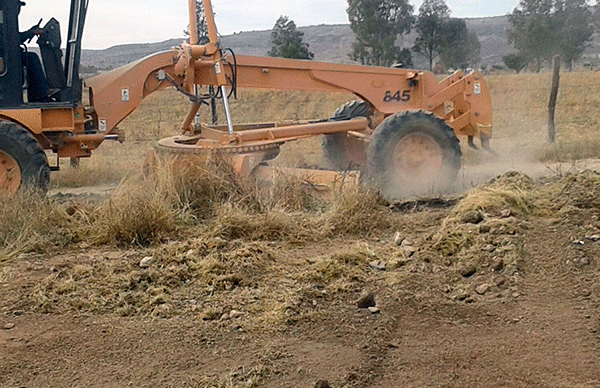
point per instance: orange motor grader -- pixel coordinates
(402, 130)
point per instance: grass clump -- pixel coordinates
(511, 191)
(355, 211)
(31, 222)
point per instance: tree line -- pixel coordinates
(380, 27)
(539, 30)
(542, 29)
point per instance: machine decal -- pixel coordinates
(125, 94)
(404, 96)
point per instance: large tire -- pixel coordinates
(334, 146)
(412, 153)
(23, 162)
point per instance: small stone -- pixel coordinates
(189, 253)
(8, 326)
(472, 217)
(505, 213)
(70, 210)
(467, 270)
(145, 262)
(497, 264)
(593, 238)
(322, 384)
(84, 245)
(373, 310)
(485, 228)
(378, 265)
(584, 261)
(366, 300)
(585, 292)
(515, 295)
(489, 248)
(500, 281)
(482, 289)
(408, 250)
(398, 238)
(235, 314)
(406, 243)
(462, 296)
(224, 317)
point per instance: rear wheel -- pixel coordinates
(23, 162)
(412, 153)
(334, 146)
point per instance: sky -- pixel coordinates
(113, 22)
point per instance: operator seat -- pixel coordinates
(49, 42)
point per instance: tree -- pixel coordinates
(515, 61)
(202, 27)
(541, 29)
(576, 26)
(287, 41)
(377, 25)
(433, 14)
(459, 48)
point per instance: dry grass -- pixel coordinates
(31, 222)
(512, 191)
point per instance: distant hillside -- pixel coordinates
(329, 43)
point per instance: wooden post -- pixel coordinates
(553, 97)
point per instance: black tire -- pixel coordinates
(20, 145)
(412, 153)
(334, 145)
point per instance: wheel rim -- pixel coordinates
(417, 157)
(10, 174)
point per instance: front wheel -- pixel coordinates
(23, 162)
(412, 153)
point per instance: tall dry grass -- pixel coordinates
(31, 222)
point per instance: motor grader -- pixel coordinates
(401, 132)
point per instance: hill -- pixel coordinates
(329, 43)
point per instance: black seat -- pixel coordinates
(49, 43)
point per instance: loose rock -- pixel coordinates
(406, 243)
(366, 300)
(584, 261)
(398, 238)
(145, 262)
(235, 314)
(485, 228)
(489, 248)
(497, 264)
(322, 384)
(505, 213)
(593, 238)
(482, 289)
(467, 270)
(378, 265)
(408, 251)
(472, 217)
(373, 310)
(8, 326)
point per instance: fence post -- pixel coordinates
(553, 97)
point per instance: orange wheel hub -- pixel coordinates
(10, 174)
(417, 156)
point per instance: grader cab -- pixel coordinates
(402, 131)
